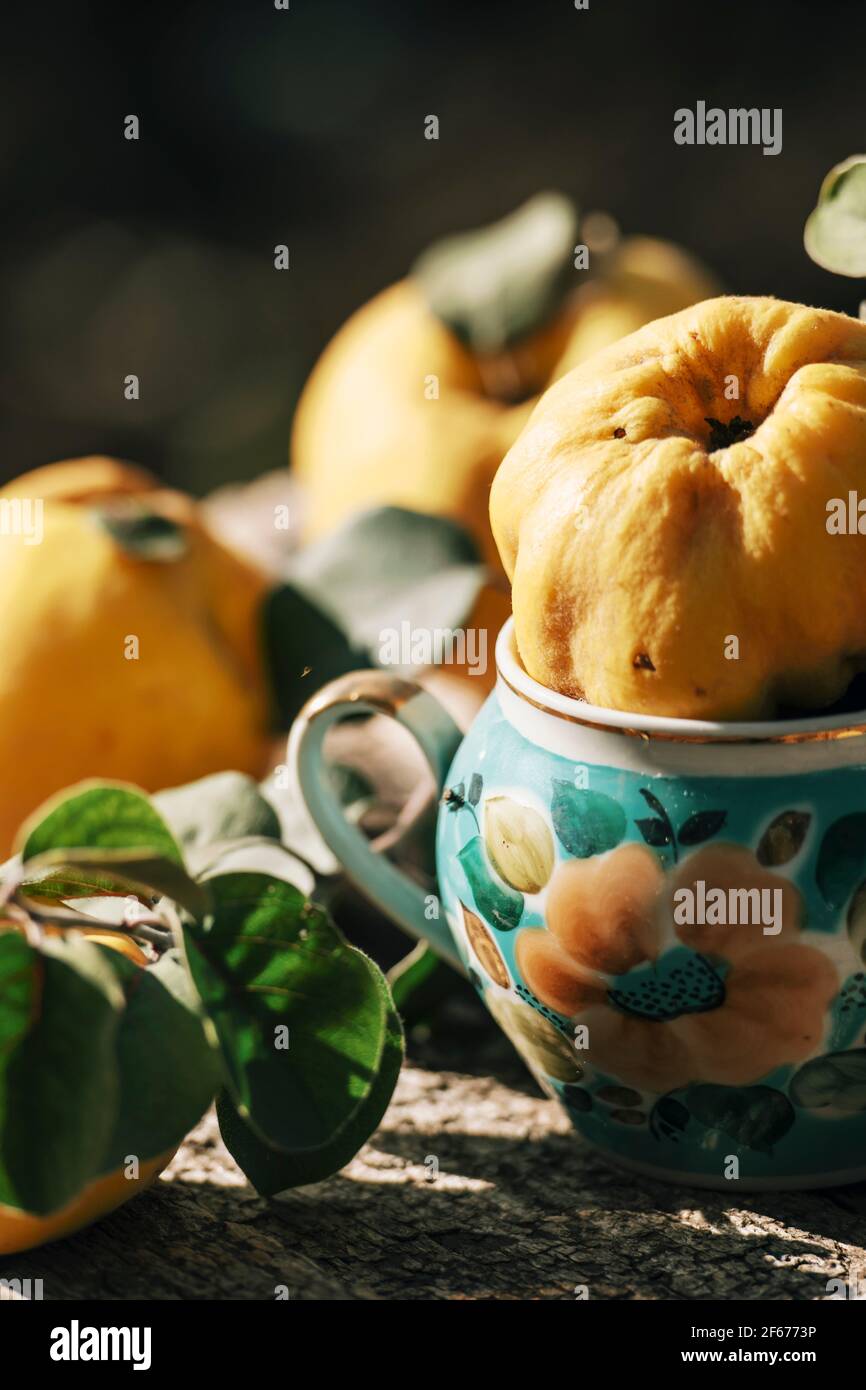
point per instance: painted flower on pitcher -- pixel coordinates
(667, 1001)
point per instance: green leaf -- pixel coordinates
(268, 959)
(99, 815)
(141, 533)
(494, 285)
(257, 856)
(842, 858)
(586, 822)
(18, 988)
(420, 983)
(271, 1171)
(837, 1080)
(59, 1082)
(835, 235)
(169, 1067)
(755, 1116)
(71, 873)
(383, 569)
(224, 806)
(304, 649)
(105, 838)
(391, 566)
(783, 838)
(496, 901)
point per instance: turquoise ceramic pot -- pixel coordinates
(666, 917)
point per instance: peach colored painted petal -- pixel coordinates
(648, 1056)
(774, 1014)
(603, 911)
(732, 867)
(551, 975)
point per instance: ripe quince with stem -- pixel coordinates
(664, 517)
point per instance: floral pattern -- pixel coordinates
(729, 1008)
(670, 1036)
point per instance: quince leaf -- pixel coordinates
(59, 1078)
(168, 1062)
(224, 806)
(384, 569)
(98, 815)
(586, 822)
(835, 234)
(99, 838)
(302, 1018)
(494, 285)
(272, 1170)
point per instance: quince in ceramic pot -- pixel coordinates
(675, 516)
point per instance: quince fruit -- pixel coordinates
(129, 638)
(665, 516)
(421, 393)
(22, 1230)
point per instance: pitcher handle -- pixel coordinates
(374, 692)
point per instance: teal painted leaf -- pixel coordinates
(842, 859)
(586, 822)
(498, 904)
(755, 1116)
(837, 1080)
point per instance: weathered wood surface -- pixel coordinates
(520, 1209)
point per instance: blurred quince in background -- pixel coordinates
(130, 640)
(423, 391)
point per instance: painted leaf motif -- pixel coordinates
(654, 831)
(576, 1098)
(755, 1116)
(837, 1080)
(842, 858)
(476, 786)
(701, 826)
(783, 838)
(540, 1043)
(672, 1112)
(498, 904)
(586, 822)
(621, 1096)
(484, 947)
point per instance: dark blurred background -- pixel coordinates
(261, 126)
